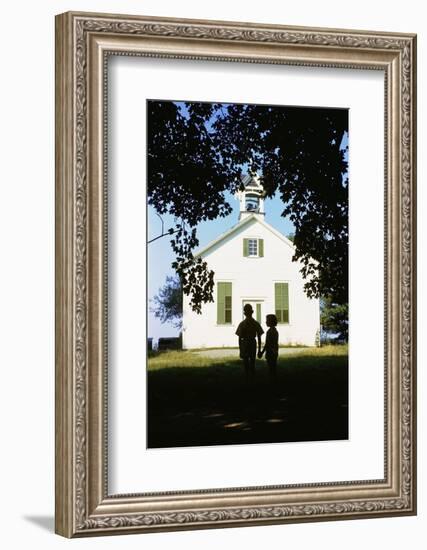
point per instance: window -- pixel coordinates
(253, 248)
(228, 309)
(252, 203)
(224, 304)
(281, 300)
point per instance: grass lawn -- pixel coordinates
(195, 400)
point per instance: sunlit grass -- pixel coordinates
(168, 359)
(188, 359)
(330, 350)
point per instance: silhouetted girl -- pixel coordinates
(271, 347)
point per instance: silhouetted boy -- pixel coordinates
(249, 331)
(271, 347)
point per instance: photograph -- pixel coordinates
(247, 273)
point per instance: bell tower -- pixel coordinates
(251, 199)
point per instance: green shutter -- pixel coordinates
(224, 298)
(258, 313)
(260, 248)
(281, 300)
(220, 304)
(245, 247)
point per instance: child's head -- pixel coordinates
(248, 310)
(271, 320)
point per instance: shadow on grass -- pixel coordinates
(213, 405)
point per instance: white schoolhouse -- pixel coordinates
(253, 264)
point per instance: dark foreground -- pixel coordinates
(211, 404)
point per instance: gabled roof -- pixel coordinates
(245, 221)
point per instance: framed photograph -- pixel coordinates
(235, 274)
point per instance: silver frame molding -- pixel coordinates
(83, 43)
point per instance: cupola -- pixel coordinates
(251, 198)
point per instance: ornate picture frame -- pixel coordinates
(83, 43)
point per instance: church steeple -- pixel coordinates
(251, 199)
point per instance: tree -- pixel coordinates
(168, 302)
(198, 151)
(186, 180)
(334, 317)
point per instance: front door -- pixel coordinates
(257, 306)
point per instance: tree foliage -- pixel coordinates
(334, 317)
(197, 152)
(168, 302)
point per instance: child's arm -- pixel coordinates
(261, 352)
